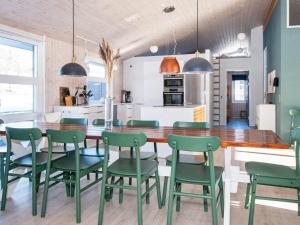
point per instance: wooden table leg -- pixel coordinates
(227, 179)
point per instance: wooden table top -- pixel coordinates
(229, 137)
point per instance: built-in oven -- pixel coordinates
(173, 97)
(173, 80)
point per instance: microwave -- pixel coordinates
(173, 81)
(173, 98)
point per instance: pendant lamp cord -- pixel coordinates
(197, 25)
(73, 56)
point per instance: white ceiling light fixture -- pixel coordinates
(241, 36)
(154, 49)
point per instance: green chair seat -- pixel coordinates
(41, 159)
(92, 152)
(57, 149)
(185, 158)
(68, 162)
(196, 173)
(127, 167)
(143, 155)
(270, 170)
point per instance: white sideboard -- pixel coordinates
(266, 117)
(89, 112)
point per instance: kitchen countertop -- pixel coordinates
(184, 106)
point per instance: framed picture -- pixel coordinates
(271, 77)
(293, 15)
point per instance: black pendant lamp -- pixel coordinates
(73, 68)
(197, 65)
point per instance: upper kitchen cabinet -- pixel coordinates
(142, 78)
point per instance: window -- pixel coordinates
(96, 80)
(239, 91)
(21, 80)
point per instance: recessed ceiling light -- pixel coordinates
(169, 9)
(132, 18)
(241, 36)
(154, 48)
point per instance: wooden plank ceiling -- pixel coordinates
(134, 25)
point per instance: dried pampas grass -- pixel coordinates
(109, 56)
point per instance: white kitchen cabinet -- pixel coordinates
(128, 111)
(89, 112)
(266, 117)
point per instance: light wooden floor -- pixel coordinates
(61, 210)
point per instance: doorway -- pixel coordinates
(238, 99)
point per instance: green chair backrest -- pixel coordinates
(101, 122)
(181, 124)
(193, 143)
(22, 134)
(296, 138)
(66, 136)
(77, 121)
(143, 123)
(124, 139)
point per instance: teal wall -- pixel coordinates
(283, 46)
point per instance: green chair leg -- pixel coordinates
(147, 189)
(38, 181)
(2, 169)
(72, 185)
(102, 198)
(205, 192)
(247, 196)
(171, 201)
(33, 191)
(4, 191)
(298, 192)
(221, 189)
(178, 189)
(139, 201)
(65, 177)
(111, 192)
(165, 191)
(214, 206)
(157, 181)
(77, 196)
(121, 190)
(45, 194)
(252, 201)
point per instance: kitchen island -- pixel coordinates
(167, 115)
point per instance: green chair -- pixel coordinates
(143, 155)
(2, 158)
(141, 170)
(185, 158)
(198, 174)
(295, 121)
(273, 175)
(68, 121)
(35, 160)
(73, 165)
(98, 151)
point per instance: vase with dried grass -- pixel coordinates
(109, 57)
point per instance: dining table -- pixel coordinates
(229, 139)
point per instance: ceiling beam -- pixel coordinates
(269, 13)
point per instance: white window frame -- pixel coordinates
(38, 81)
(233, 93)
(288, 16)
(94, 79)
